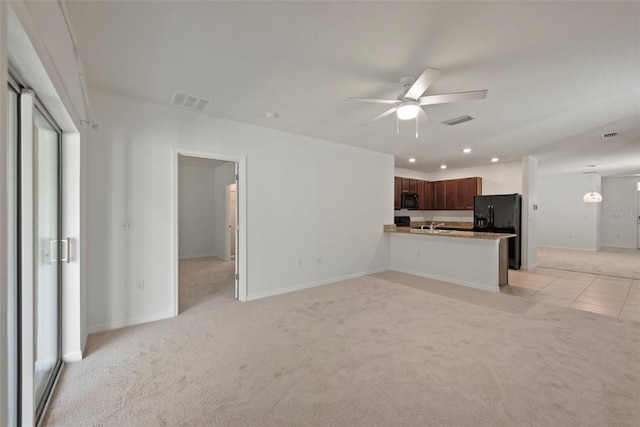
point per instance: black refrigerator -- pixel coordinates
(500, 213)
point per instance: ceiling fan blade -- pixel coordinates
(376, 100)
(453, 97)
(423, 115)
(419, 87)
(386, 113)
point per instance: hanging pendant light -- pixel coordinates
(592, 197)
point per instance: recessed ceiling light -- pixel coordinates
(495, 159)
(412, 160)
(271, 115)
(443, 166)
(466, 150)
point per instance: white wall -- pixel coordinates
(498, 178)
(196, 211)
(564, 220)
(298, 190)
(224, 175)
(620, 212)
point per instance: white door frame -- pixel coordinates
(228, 248)
(241, 197)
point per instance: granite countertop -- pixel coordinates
(445, 224)
(391, 228)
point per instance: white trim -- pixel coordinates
(73, 356)
(618, 246)
(241, 200)
(308, 285)
(568, 248)
(117, 324)
(448, 280)
(199, 256)
(529, 267)
(27, 262)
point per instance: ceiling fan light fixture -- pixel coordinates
(592, 197)
(408, 110)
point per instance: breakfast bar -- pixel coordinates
(468, 258)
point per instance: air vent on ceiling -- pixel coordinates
(190, 102)
(609, 135)
(458, 120)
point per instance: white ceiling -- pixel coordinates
(559, 74)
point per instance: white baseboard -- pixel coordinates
(448, 279)
(619, 247)
(529, 267)
(122, 323)
(74, 356)
(197, 256)
(568, 248)
(288, 289)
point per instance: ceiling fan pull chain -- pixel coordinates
(397, 125)
(417, 126)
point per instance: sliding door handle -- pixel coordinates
(67, 250)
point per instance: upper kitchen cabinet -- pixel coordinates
(472, 187)
(397, 190)
(439, 195)
(452, 194)
(404, 187)
(427, 196)
(413, 185)
(459, 193)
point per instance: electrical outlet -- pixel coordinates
(418, 254)
(126, 225)
(299, 263)
(319, 261)
(140, 285)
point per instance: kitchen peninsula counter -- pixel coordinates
(468, 258)
(454, 233)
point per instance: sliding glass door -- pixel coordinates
(35, 268)
(13, 353)
(49, 251)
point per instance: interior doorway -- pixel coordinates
(209, 237)
(232, 210)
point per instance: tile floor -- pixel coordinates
(607, 295)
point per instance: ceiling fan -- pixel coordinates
(409, 103)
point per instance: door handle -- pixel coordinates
(67, 250)
(53, 249)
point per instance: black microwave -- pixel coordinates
(409, 201)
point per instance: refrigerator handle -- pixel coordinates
(491, 215)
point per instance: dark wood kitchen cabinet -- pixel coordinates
(404, 185)
(420, 191)
(413, 185)
(439, 195)
(428, 196)
(451, 194)
(472, 187)
(397, 190)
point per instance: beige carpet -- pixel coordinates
(607, 261)
(372, 351)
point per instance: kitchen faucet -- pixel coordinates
(434, 226)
